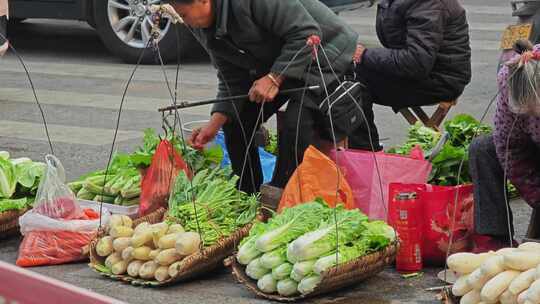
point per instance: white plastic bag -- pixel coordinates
(54, 199)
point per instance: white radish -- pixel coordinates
(522, 297)
(141, 227)
(461, 287)
(143, 237)
(530, 246)
(175, 228)
(162, 273)
(521, 260)
(493, 266)
(477, 279)
(522, 282)
(158, 231)
(493, 289)
(472, 297)
(533, 293)
(104, 246)
(121, 243)
(148, 269)
(168, 241)
(508, 298)
(154, 253)
(133, 268)
(120, 231)
(188, 243)
(113, 259)
(120, 267)
(167, 257)
(115, 220)
(506, 250)
(174, 269)
(127, 254)
(142, 253)
(126, 221)
(465, 262)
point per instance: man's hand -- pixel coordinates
(357, 57)
(201, 136)
(265, 89)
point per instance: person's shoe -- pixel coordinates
(485, 243)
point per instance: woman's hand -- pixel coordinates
(201, 136)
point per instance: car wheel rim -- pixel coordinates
(131, 21)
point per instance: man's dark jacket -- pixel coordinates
(426, 41)
(254, 37)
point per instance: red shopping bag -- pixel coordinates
(360, 170)
(157, 181)
(444, 217)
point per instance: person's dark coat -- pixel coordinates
(425, 41)
(254, 37)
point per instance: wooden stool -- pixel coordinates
(414, 114)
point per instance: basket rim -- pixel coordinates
(238, 273)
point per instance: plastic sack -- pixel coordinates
(438, 209)
(268, 160)
(361, 172)
(54, 199)
(49, 241)
(156, 183)
(316, 176)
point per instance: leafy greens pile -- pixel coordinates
(19, 181)
(461, 130)
(210, 204)
(142, 157)
(288, 254)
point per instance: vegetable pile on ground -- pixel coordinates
(122, 185)
(288, 254)
(150, 252)
(510, 275)
(461, 130)
(19, 180)
(211, 204)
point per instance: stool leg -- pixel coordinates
(409, 116)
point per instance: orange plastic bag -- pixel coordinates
(316, 176)
(156, 183)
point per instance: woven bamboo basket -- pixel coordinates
(194, 265)
(9, 222)
(333, 279)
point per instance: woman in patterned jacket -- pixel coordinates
(513, 148)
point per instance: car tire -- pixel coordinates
(130, 52)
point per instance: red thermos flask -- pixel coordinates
(405, 215)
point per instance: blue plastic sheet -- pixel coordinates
(268, 160)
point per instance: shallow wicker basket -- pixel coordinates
(333, 279)
(194, 265)
(9, 222)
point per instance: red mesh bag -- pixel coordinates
(156, 183)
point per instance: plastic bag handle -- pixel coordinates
(54, 162)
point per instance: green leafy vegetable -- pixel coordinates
(349, 225)
(282, 271)
(210, 204)
(461, 130)
(8, 179)
(292, 223)
(13, 204)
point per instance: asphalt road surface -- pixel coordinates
(80, 86)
